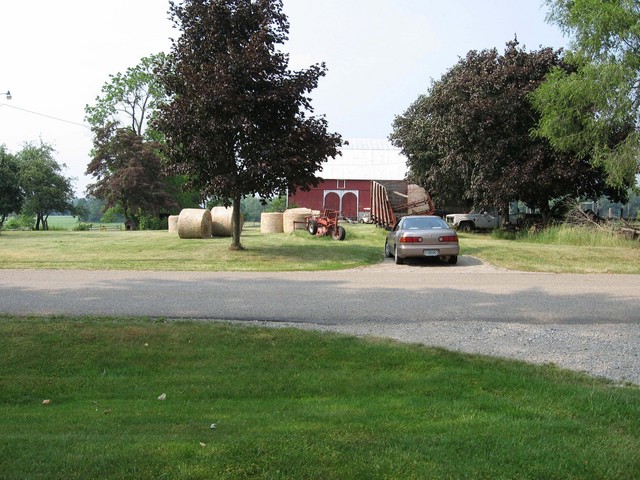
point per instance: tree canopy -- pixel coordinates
(11, 195)
(593, 109)
(128, 173)
(129, 99)
(237, 122)
(45, 188)
(469, 137)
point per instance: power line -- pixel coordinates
(46, 116)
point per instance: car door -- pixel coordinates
(393, 235)
(488, 219)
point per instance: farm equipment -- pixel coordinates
(326, 224)
(386, 210)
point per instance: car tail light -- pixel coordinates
(448, 238)
(410, 239)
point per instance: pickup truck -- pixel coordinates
(478, 219)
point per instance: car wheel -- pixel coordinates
(387, 250)
(453, 259)
(399, 260)
(466, 227)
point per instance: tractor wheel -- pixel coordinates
(312, 227)
(338, 233)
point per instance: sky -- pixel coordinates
(380, 56)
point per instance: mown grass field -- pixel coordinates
(292, 404)
(566, 251)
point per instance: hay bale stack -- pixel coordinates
(173, 223)
(294, 215)
(271, 222)
(194, 223)
(222, 222)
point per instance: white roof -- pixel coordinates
(366, 159)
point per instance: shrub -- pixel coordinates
(148, 222)
(83, 227)
(20, 222)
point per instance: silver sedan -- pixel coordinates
(422, 236)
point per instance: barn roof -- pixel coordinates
(366, 159)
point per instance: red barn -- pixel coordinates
(346, 184)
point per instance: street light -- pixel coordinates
(7, 94)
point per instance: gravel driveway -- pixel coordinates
(587, 323)
(610, 350)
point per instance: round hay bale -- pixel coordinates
(222, 222)
(194, 223)
(173, 223)
(294, 215)
(271, 222)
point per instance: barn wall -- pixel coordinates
(351, 197)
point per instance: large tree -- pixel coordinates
(594, 109)
(129, 99)
(45, 188)
(129, 174)
(11, 195)
(237, 123)
(126, 167)
(469, 137)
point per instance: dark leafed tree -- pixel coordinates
(11, 195)
(239, 121)
(45, 189)
(470, 137)
(128, 173)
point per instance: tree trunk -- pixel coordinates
(504, 215)
(235, 244)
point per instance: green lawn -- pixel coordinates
(293, 404)
(161, 250)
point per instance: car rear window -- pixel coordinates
(424, 224)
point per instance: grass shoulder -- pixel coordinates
(293, 404)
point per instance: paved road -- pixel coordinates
(386, 293)
(587, 323)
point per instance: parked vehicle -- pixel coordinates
(486, 218)
(422, 236)
(326, 224)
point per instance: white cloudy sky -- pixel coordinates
(381, 54)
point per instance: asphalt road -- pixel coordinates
(384, 294)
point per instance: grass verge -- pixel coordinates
(556, 250)
(292, 404)
(561, 249)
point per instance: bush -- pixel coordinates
(148, 222)
(83, 227)
(278, 204)
(21, 222)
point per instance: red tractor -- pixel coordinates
(326, 224)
